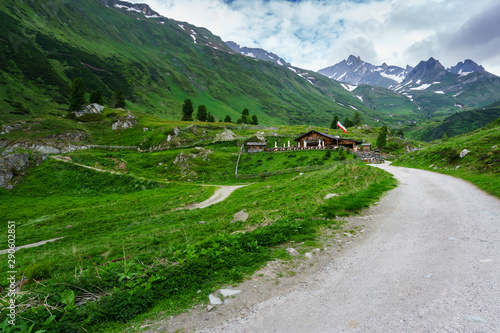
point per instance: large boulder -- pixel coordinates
(90, 108)
(124, 122)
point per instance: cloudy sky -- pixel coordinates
(314, 34)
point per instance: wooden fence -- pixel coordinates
(299, 169)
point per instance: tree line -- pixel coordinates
(77, 97)
(202, 114)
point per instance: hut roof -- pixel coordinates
(333, 137)
(313, 131)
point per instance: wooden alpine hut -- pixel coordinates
(313, 139)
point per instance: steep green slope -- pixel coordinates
(456, 124)
(156, 62)
(480, 165)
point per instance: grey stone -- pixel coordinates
(214, 300)
(124, 123)
(47, 149)
(240, 216)
(10, 165)
(202, 222)
(209, 308)
(91, 108)
(229, 292)
(464, 152)
(227, 135)
(330, 195)
(291, 251)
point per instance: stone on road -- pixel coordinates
(430, 262)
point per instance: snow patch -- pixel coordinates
(130, 9)
(398, 78)
(348, 86)
(422, 87)
(181, 26)
(360, 98)
(439, 92)
(353, 107)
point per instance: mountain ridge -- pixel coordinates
(156, 61)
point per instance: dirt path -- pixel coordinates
(220, 195)
(428, 261)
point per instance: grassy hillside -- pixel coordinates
(481, 165)
(128, 249)
(154, 61)
(456, 124)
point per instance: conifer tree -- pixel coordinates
(245, 117)
(357, 119)
(96, 97)
(187, 110)
(255, 121)
(201, 115)
(118, 99)
(382, 137)
(228, 119)
(77, 94)
(335, 120)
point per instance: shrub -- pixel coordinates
(38, 271)
(89, 117)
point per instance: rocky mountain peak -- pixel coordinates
(466, 67)
(257, 53)
(132, 7)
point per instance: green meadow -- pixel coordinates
(128, 250)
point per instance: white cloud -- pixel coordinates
(315, 34)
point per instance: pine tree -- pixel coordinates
(201, 115)
(96, 97)
(445, 136)
(77, 94)
(347, 122)
(245, 117)
(335, 120)
(118, 99)
(382, 137)
(210, 118)
(187, 110)
(341, 153)
(255, 121)
(228, 119)
(357, 119)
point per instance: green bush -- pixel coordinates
(89, 117)
(38, 271)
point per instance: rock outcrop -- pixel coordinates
(11, 165)
(227, 135)
(124, 122)
(91, 108)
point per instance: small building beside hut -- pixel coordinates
(315, 139)
(366, 146)
(256, 146)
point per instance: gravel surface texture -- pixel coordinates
(427, 261)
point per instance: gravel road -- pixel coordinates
(429, 261)
(221, 194)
